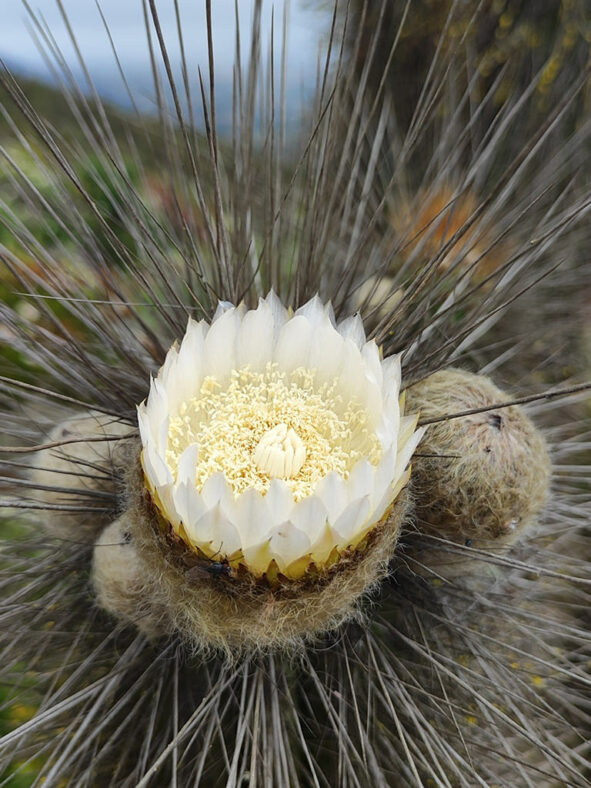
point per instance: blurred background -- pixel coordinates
(19, 38)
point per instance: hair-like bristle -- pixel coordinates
(449, 204)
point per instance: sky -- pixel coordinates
(306, 28)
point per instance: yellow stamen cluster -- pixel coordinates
(229, 422)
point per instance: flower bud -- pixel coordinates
(478, 480)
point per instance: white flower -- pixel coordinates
(275, 440)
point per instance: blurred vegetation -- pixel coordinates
(73, 221)
(14, 711)
(499, 45)
(18, 702)
(485, 58)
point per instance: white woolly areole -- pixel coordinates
(275, 437)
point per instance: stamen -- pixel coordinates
(271, 424)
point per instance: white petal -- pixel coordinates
(216, 531)
(326, 353)
(279, 500)
(373, 404)
(254, 343)
(352, 328)
(258, 557)
(220, 345)
(384, 476)
(371, 356)
(162, 437)
(169, 363)
(189, 505)
(313, 310)
(293, 344)
(386, 432)
(407, 450)
(331, 315)
(324, 544)
(157, 406)
(251, 516)
(407, 428)
(352, 382)
(390, 417)
(279, 312)
(190, 361)
(310, 516)
(158, 411)
(287, 544)
(187, 465)
(156, 469)
(215, 489)
(164, 495)
(360, 480)
(332, 490)
(351, 521)
(392, 373)
(221, 309)
(144, 424)
(390, 495)
(195, 333)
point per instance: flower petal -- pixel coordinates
(324, 545)
(155, 468)
(252, 517)
(406, 452)
(221, 309)
(390, 495)
(392, 373)
(351, 521)
(214, 533)
(327, 352)
(287, 544)
(371, 356)
(254, 342)
(352, 382)
(279, 500)
(360, 480)
(352, 328)
(314, 311)
(332, 491)
(189, 370)
(279, 312)
(309, 515)
(214, 490)
(220, 345)
(258, 557)
(293, 343)
(187, 464)
(189, 505)
(163, 493)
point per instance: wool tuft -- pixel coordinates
(478, 481)
(142, 574)
(81, 478)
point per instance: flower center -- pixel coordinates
(280, 453)
(271, 424)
